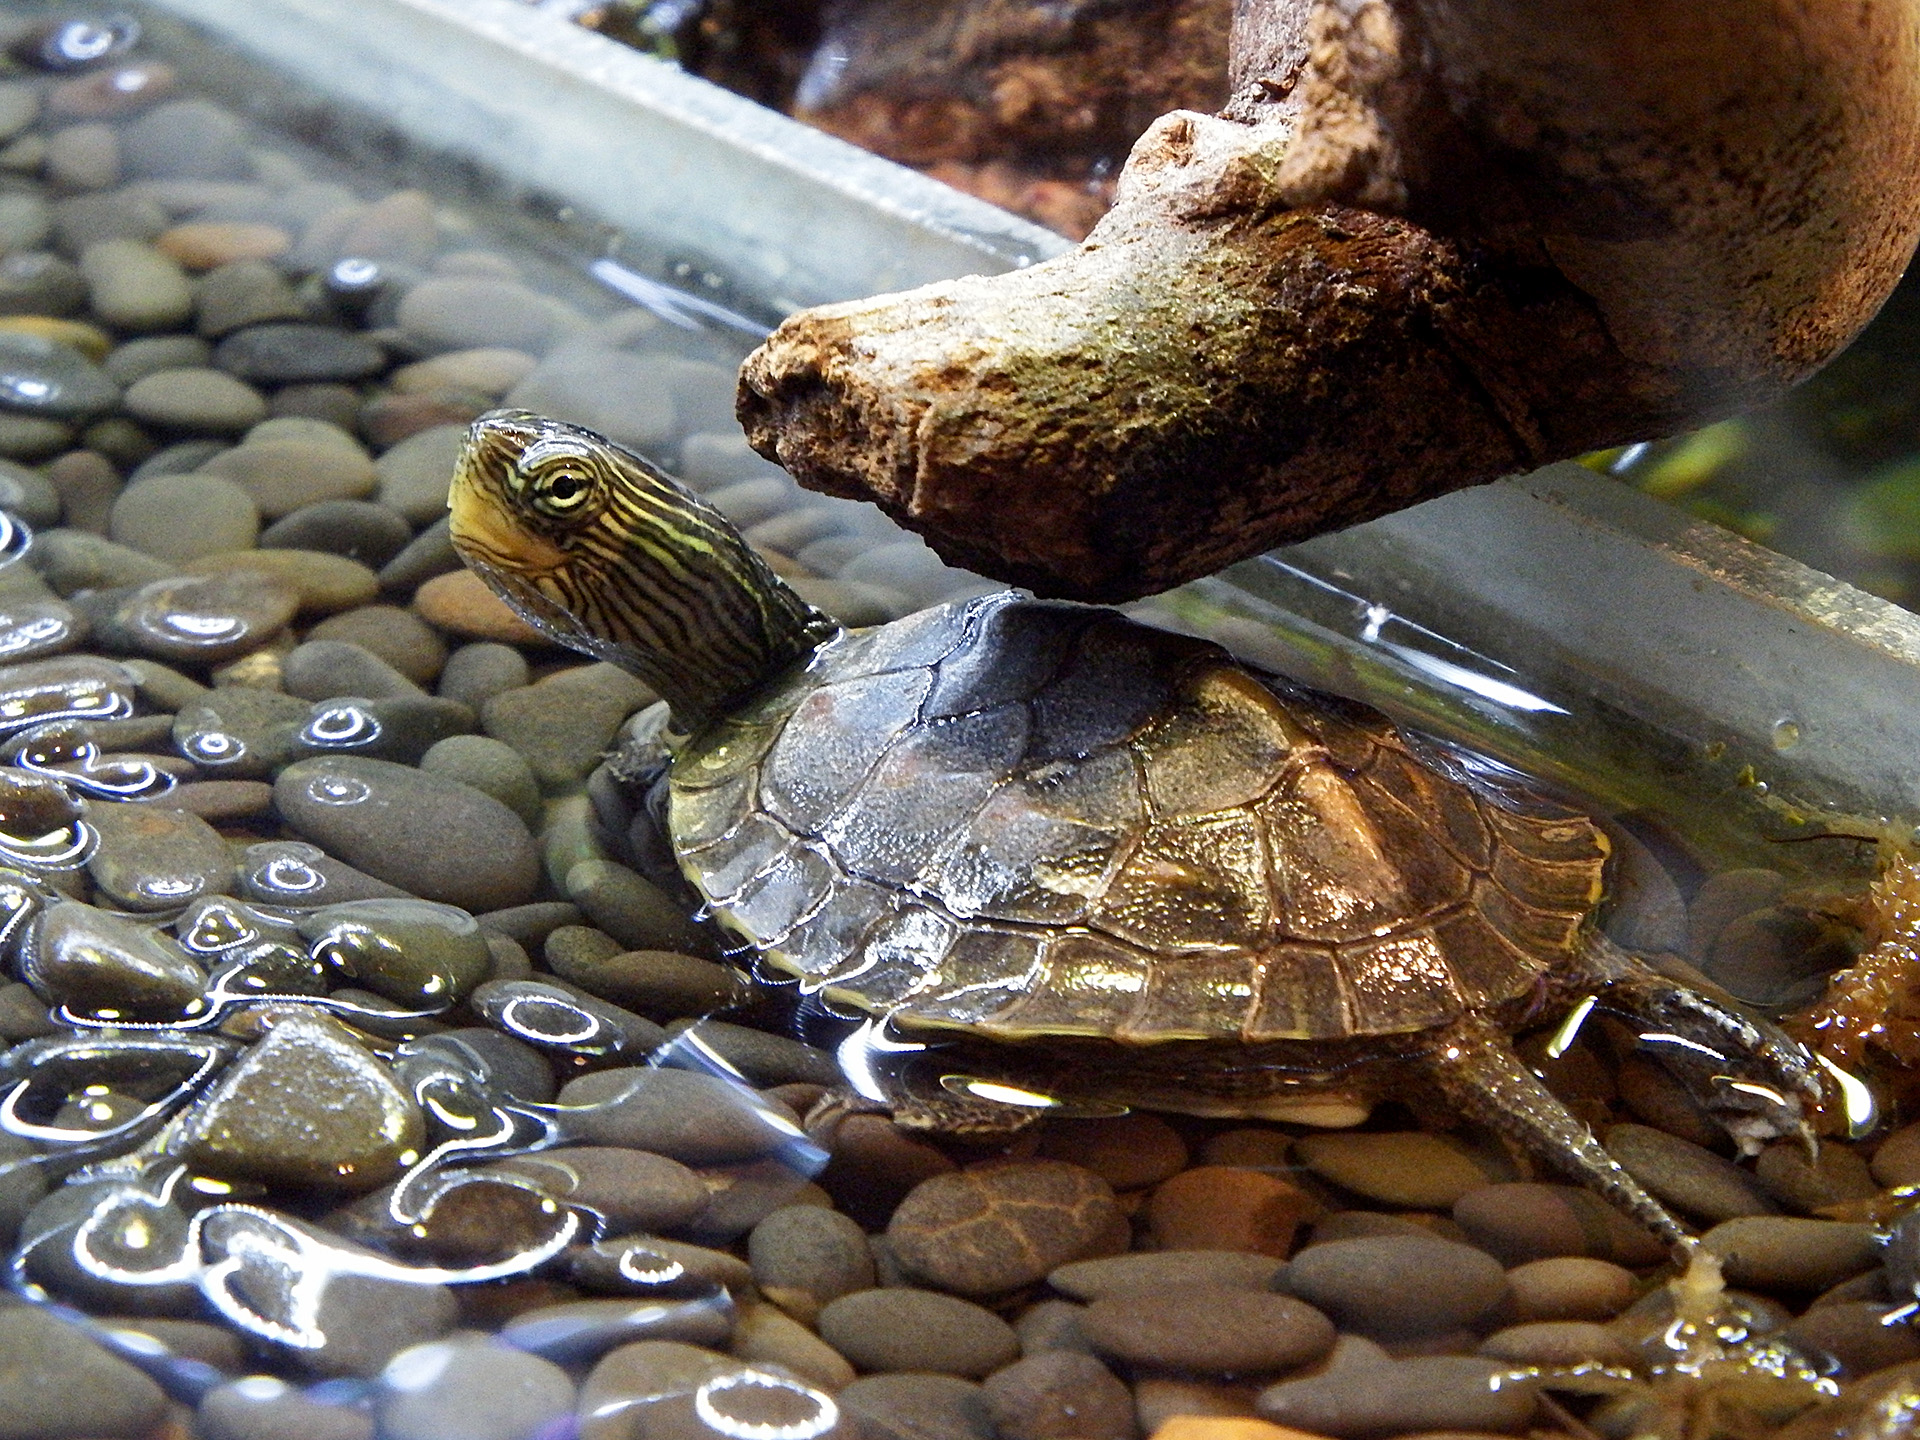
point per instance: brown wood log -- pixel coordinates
(1426, 243)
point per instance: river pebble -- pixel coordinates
(1001, 1224)
(1569, 1287)
(157, 857)
(1789, 1253)
(1128, 1153)
(631, 908)
(693, 1118)
(1363, 1284)
(195, 400)
(1209, 1329)
(460, 602)
(435, 837)
(90, 960)
(177, 518)
(56, 1382)
(397, 636)
(1694, 1181)
(804, 1256)
(1410, 1168)
(917, 1330)
(1153, 1270)
(630, 1190)
(261, 1407)
(358, 529)
(1059, 1396)
(917, 1407)
(1523, 1220)
(564, 724)
(1896, 1161)
(472, 1391)
(285, 475)
(1222, 1207)
(200, 620)
(1363, 1393)
(414, 952)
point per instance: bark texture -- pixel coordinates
(1425, 244)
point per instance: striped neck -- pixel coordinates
(610, 556)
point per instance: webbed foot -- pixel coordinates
(1746, 1073)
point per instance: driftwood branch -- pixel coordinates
(1425, 244)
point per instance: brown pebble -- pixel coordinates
(1207, 1328)
(201, 245)
(1060, 1395)
(1221, 1207)
(1786, 1252)
(1692, 1179)
(875, 1164)
(1000, 1225)
(1649, 1090)
(766, 1334)
(1182, 1426)
(1858, 1414)
(1364, 1284)
(88, 485)
(1410, 1168)
(220, 799)
(1525, 1221)
(1897, 1160)
(397, 636)
(1569, 1287)
(1558, 1343)
(386, 420)
(1128, 1153)
(462, 604)
(1153, 1269)
(1803, 1186)
(910, 1329)
(1249, 1149)
(1855, 1334)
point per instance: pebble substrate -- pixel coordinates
(233, 448)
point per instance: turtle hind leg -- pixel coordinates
(1474, 1066)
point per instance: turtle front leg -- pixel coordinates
(1750, 1076)
(1474, 1065)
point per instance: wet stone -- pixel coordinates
(564, 724)
(395, 635)
(1128, 1153)
(239, 732)
(82, 221)
(803, 1257)
(177, 518)
(306, 1105)
(428, 835)
(132, 286)
(298, 353)
(1897, 1160)
(285, 475)
(472, 1391)
(402, 729)
(917, 1407)
(34, 282)
(25, 222)
(94, 963)
(1569, 1287)
(261, 1407)
(415, 474)
(1770, 1252)
(764, 1058)
(461, 604)
(149, 354)
(202, 620)
(1363, 1284)
(499, 771)
(1558, 1344)
(322, 669)
(194, 399)
(630, 1190)
(292, 872)
(34, 628)
(85, 485)
(187, 140)
(220, 800)
(1220, 1207)
(530, 925)
(83, 157)
(551, 1018)
(1362, 1393)
(414, 952)
(648, 1265)
(30, 437)
(1798, 1184)
(207, 244)
(1692, 1180)
(43, 377)
(583, 1330)
(357, 529)
(155, 857)
(491, 371)
(635, 1377)
(696, 1119)
(664, 984)
(244, 293)
(1206, 1328)
(1157, 1269)
(66, 687)
(1519, 1222)
(1409, 1168)
(1855, 1334)
(1059, 1396)
(1000, 1225)
(56, 1382)
(620, 395)
(463, 313)
(919, 1330)
(476, 673)
(631, 908)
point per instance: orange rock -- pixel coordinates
(460, 602)
(1221, 1207)
(201, 245)
(1227, 1427)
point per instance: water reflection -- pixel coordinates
(64, 750)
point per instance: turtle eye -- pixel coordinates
(560, 491)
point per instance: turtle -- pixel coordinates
(1065, 862)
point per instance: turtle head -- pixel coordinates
(608, 555)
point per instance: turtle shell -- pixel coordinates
(1025, 818)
